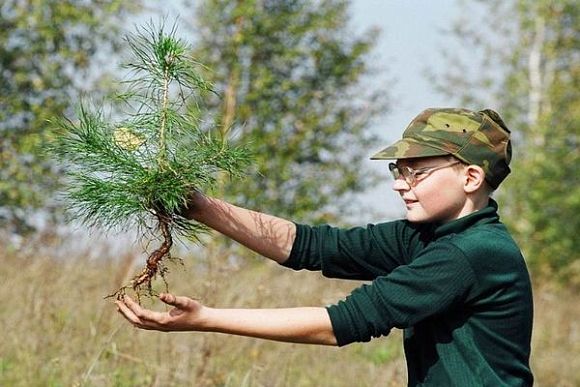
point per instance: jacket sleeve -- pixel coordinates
(434, 282)
(361, 253)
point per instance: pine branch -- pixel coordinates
(139, 170)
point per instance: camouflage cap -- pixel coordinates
(480, 138)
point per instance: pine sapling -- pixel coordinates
(137, 170)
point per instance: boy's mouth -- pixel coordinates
(409, 202)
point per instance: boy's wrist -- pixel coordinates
(217, 320)
(206, 320)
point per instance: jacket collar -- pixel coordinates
(484, 216)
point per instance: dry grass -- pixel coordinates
(60, 332)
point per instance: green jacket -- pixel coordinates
(460, 290)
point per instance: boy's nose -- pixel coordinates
(401, 184)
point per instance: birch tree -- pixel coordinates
(524, 62)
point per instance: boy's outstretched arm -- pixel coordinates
(309, 325)
(265, 234)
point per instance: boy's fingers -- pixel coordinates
(142, 315)
(148, 319)
(129, 301)
(134, 307)
(127, 313)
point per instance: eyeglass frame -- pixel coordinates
(411, 174)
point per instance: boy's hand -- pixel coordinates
(195, 203)
(186, 314)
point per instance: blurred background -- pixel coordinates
(314, 87)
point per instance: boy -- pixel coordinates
(449, 274)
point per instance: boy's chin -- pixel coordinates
(417, 220)
(414, 217)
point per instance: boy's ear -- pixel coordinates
(474, 178)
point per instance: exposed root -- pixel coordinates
(155, 265)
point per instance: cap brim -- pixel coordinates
(407, 148)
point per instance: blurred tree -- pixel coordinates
(47, 48)
(292, 79)
(529, 69)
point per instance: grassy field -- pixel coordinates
(59, 331)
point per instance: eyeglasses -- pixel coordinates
(413, 176)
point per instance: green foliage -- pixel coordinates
(143, 167)
(533, 79)
(47, 48)
(550, 131)
(293, 76)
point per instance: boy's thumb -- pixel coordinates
(170, 299)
